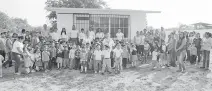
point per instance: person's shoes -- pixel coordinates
(179, 70)
(206, 69)
(103, 73)
(10, 65)
(18, 73)
(183, 71)
(202, 67)
(33, 71)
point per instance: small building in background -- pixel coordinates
(108, 20)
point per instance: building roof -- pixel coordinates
(201, 23)
(94, 9)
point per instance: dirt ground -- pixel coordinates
(141, 78)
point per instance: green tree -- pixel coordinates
(72, 4)
(5, 22)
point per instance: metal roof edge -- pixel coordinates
(94, 9)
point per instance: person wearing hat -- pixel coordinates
(106, 59)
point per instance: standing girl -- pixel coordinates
(134, 55)
(181, 51)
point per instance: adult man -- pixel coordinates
(9, 45)
(108, 41)
(45, 32)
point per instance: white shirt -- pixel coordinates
(109, 41)
(63, 36)
(118, 52)
(106, 53)
(100, 35)
(137, 40)
(154, 55)
(91, 35)
(73, 33)
(82, 35)
(86, 40)
(72, 53)
(16, 45)
(54, 36)
(98, 54)
(142, 40)
(207, 44)
(164, 48)
(119, 36)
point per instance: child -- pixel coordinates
(53, 53)
(28, 60)
(162, 58)
(118, 52)
(134, 55)
(125, 56)
(83, 59)
(66, 57)
(45, 57)
(77, 58)
(72, 56)
(38, 63)
(146, 51)
(1, 59)
(59, 56)
(97, 59)
(154, 59)
(193, 53)
(91, 58)
(106, 59)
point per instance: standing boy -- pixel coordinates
(106, 59)
(118, 52)
(97, 59)
(45, 57)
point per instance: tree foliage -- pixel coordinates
(13, 24)
(72, 4)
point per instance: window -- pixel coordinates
(107, 23)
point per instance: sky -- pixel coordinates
(173, 12)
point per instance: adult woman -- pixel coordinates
(63, 35)
(142, 36)
(91, 34)
(17, 52)
(181, 51)
(119, 35)
(74, 34)
(197, 42)
(87, 38)
(206, 47)
(99, 34)
(82, 36)
(137, 41)
(172, 49)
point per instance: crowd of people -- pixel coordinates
(95, 51)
